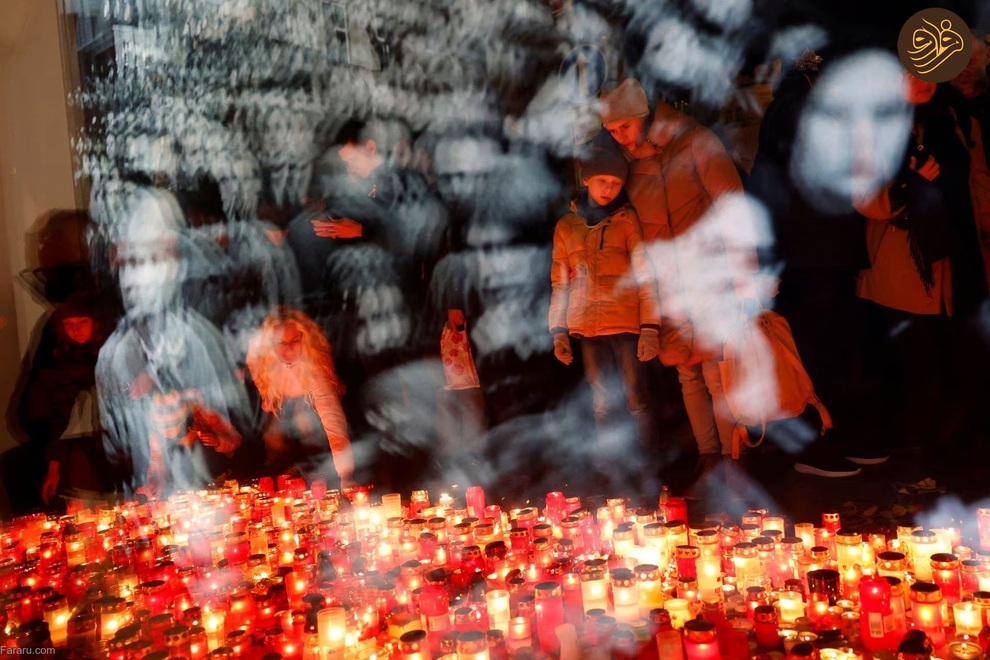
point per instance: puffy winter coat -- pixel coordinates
(698, 233)
(603, 283)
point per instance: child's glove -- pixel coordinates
(649, 346)
(562, 348)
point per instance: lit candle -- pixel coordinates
(709, 577)
(594, 588)
(806, 532)
(969, 619)
(331, 625)
(926, 609)
(413, 645)
(700, 640)
(213, 621)
(625, 595)
(923, 546)
(792, 607)
(520, 635)
(497, 601)
(472, 645)
(679, 610)
(650, 585)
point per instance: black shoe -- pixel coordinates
(867, 456)
(834, 468)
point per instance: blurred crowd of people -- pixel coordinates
(272, 285)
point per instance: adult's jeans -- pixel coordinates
(707, 410)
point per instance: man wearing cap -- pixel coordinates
(678, 175)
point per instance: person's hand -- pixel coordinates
(930, 169)
(455, 317)
(648, 347)
(562, 348)
(337, 228)
(140, 387)
(50, 485)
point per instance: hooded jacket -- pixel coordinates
(603, 283)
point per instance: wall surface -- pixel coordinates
(35, 164)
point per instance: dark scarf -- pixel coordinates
(926, 211)
(593, 213)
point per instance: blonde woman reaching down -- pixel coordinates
(291, 364)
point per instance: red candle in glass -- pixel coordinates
(874, 602)
(945, 572)
(686, 558)
(765, 627)
(434, 606)
(676, 509)
(267, 485)
(556, 506)
(549, 615)
(475, 499)
(700, 640)
(318, 489)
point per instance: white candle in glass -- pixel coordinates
(969, 618)
(679, 610)
(497, 601)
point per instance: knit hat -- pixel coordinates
(627, 101)
(603, 156)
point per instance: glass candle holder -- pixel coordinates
(700, 640)
(848, 549)
(594, 587)
(926, 611)
(650, 587)
(472, 645)
(945, 573)
(679, 610)
(655, 546)
(806, 532)
(520, 634)
(685, 558)
(791, 605)
(892, 564)
(923, 544)
(625, 595)
(497, 602)
(709, 577)
(748, 567)
(549, 614)
(968, 618)
(765, 627)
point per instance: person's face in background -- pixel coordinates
(287, 339)
(626, 131)
(852, 133)
(148, 274)
(383, 320)
(603, 188)
(149, 268)
(361, 158)
(918, 92)
(78, 328)
(463, 166)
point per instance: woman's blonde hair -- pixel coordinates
(316, 360)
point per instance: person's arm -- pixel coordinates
(326, 402)
(560, 282)
(646, 278)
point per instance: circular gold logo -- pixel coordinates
(935, 45)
